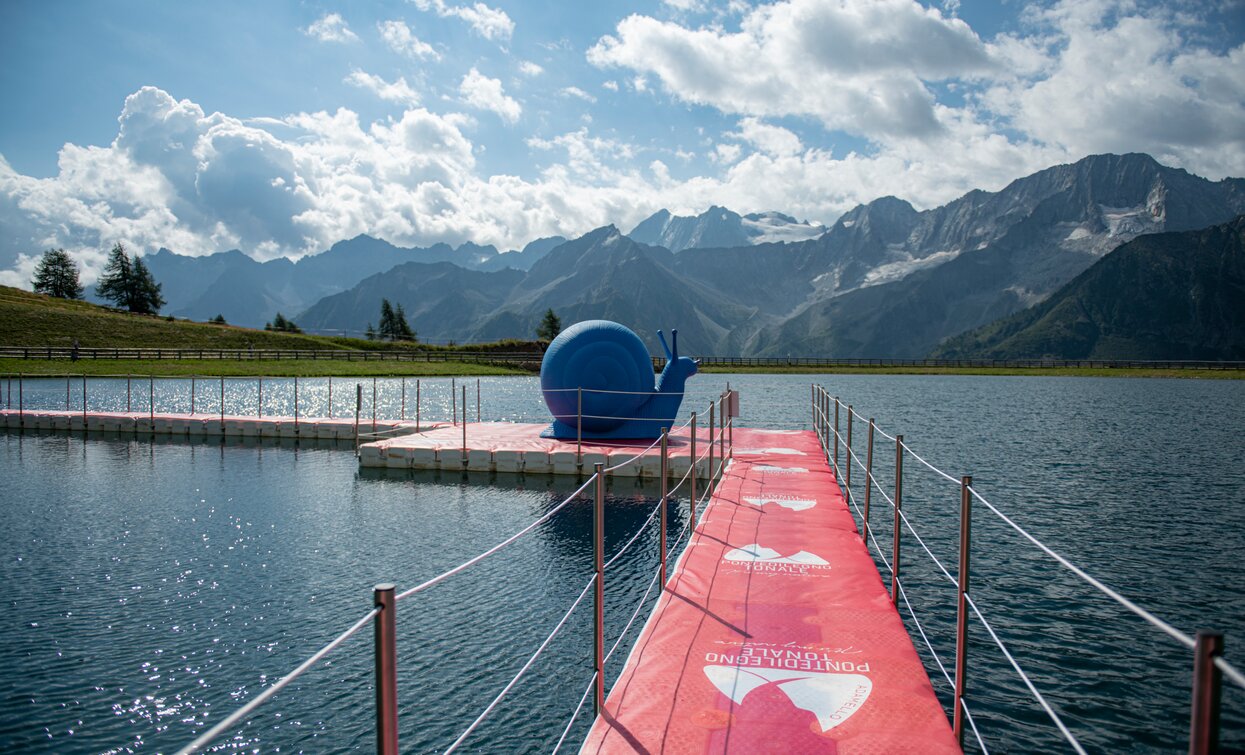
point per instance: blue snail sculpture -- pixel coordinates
(613, 367)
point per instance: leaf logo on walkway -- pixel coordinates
(832, 698)
(771, 469)
(795, 504)
(758, 552)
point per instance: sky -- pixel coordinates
(281, 127)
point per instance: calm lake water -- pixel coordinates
(150, 586)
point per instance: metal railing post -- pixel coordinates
(192, 395)
(222, 405)
(330, 397)
(579, 427)
(961, 616)
(261, 397)
(722, 432)
(709, 485)
(66, 392)
(691, 474)
(1207, 691)
(898, 520)
(21, 400)
(416, 404)
(598, 565)
(453, 400)
(386, 669)
(128, 377)
(402, 416)
(84, 403)
(868, 480)
(847, 450)
(358, 407)
(464, 428)
(477, 399)
(151, 401)
(836, 434)
(373, 404)
(296, 404)
(664, 483)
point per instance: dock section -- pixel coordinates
(775, 633)
(157, 423)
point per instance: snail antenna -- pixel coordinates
(661, 336)
(674, 337)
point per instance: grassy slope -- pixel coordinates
(28, 319)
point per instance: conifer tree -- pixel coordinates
(371, 332)
(57, 275)
(402, 329)
(388, 326)
(116, 284)
(147, 298)
(550, 326)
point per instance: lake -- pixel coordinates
(151, 585)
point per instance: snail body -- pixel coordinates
(608, 366)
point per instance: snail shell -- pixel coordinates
(597, 355)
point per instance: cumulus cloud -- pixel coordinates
(403, 41)
(578, 94)
(395, 91)
(773, 140)
(490, 23)
(528, 68)
(858, 67)
(484, 93)
(331, 27)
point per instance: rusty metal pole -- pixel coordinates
(692, 472)
(296, 404)
(192, 395)
(464, 428)
(836, 435)
(66, 392)
(722, 431)
(261, 396)
(222, 404)
(386, 652)
(477, 399)
(416, 404)
(373, 404)
(151, 401)
(598, 565)
(330, 397)
(453, 400)
(847, 455)
(1207, 692)
(84, 403)
(961, 618)
(709, 485)
(358, 407)
(403, 410)
(21, 400)
(664, 483)
(898, 520)
(868, 481)
(128, 378)
(579, 427)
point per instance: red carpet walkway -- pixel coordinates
(775, 633)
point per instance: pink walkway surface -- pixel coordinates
(196, 424)
(775, 633)
(513, 447)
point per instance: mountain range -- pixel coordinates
(885, 280)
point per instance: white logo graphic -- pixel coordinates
(775, 451)
(832, 698)
(758, 552)
(771, 469)
(795, 504)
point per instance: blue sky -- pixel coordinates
(281, 127)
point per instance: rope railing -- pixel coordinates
(1025, 678)
(828, 432)
(505, 690)
(575, 714)
(241, 713)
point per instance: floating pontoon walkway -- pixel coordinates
(516, 447)
(147, 423)
(775, 633)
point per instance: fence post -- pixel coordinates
(961, 618)
(898, 520)
(1207, 689)
(691, 473)
(386, 651)
(664, 483)
(868, 480)
(598, 565)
